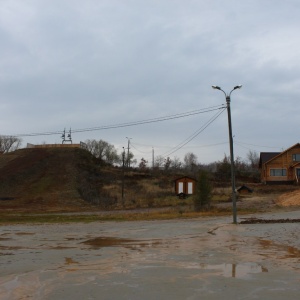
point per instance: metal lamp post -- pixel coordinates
(123, 166)
(227, 96)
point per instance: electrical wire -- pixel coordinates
(165, 146)
(242, 143)
(132, 145)
(194, 135)
(128, 124)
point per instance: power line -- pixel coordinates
(242, 143)
(154, 120)
(128, 124)
(195, 134)
(165, 146)
(132, 145)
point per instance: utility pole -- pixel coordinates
(227, 96)
(128, 147)
(152, 158)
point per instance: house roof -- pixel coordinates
(267, 156)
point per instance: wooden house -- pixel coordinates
(185, 186)
(281, 167)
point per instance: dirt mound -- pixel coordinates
(50, 179)
(289, 199)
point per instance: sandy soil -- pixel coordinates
(289, 199)
(205, 258)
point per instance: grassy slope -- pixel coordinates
(43, 179)
(58, 179)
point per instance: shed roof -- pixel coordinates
(245, 188)
(185, 177)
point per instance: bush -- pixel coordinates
(203, 193)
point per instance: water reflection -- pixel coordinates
(101, 242)
(227, 270)
(236, 270)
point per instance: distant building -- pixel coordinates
(280, 167)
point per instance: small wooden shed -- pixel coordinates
(185, 185)
(244, 190)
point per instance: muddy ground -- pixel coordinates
(203, 258)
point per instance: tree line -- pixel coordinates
(108, 154)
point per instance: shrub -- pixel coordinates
(203, 193)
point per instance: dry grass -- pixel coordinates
(133, 215)
(62, 181)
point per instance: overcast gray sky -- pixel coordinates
(85, 64)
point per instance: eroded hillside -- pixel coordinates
(47, 179)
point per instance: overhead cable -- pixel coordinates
(135, 123)
(195, 134)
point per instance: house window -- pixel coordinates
(277, 172)
(296, 157)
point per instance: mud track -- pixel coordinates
(269, 221)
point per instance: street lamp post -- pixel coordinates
(123, 166)
(227, 96)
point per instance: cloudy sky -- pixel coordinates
(94, 63)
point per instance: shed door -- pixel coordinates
(190, 188)
(180, 187)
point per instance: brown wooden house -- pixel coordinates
(281, 167)
(185, 186)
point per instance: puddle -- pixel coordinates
(69, 261)
(10, 247)
(280, 250)
(2, 254)
(24, 233)
(61, 248)
(101, 242)
(236, 270)
(72, 239)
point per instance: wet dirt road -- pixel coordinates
(207, 258)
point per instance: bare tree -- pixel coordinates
(176, 164)
(9, 143)
(159, 162)
(190, 161)
(253, 159)
(167, 163)
(103, 150)
(143, 164)
(128, 160)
